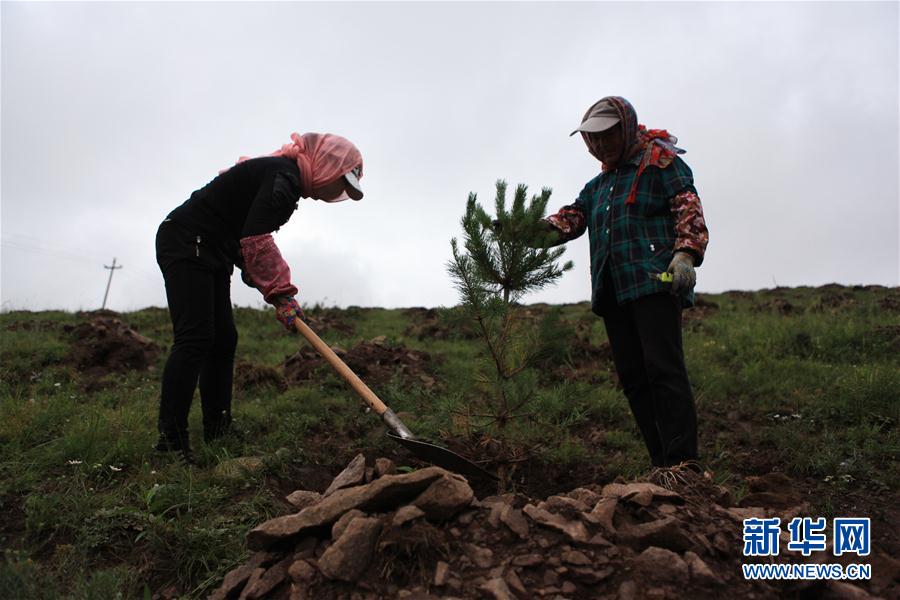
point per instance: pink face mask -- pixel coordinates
(340, 198)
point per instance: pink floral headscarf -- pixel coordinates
(321, 158)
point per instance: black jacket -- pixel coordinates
(254, 197)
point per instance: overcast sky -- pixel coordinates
(112, 114)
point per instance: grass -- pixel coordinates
(89, 511)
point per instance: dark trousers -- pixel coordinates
(645, 337)
(205, 340)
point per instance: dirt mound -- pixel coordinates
(375, 362)
(248, 376)
(100, 312)
(427, 324)
(834, 301)
(431, 329)
(302, 366)
(777, 305)
(106, 345)
(33, 325)
(890, 334)
(693, 317)
(890, 303)
(324, 321)
(423, 534)
(586, 361)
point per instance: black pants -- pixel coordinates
(645, 337)
(199, 298)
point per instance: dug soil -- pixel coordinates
(375, 361)
(105, 344)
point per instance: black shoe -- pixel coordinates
(178, 444)
(224, 426)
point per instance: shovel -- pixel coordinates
(397, 431)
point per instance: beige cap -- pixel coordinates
(600, 117)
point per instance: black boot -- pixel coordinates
(175, 443)
(219, 427)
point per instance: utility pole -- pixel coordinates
(111, 270)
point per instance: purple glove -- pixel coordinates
(287, 310)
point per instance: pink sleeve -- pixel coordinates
(266, 268)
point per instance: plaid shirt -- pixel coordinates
(636, 240)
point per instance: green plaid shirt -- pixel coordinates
(634, 240)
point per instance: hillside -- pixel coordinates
(800, 382)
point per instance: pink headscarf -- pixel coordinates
(321, 158)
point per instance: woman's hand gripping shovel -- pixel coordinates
(397, 431)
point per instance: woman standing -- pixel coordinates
(230, 222)
(644, 219)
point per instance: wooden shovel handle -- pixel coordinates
(343, 370)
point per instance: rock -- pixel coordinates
(303, 498)
(515, 520)
(337, 530)
(251, 583)
(353, 475)
(739, 514)
(640, 493)
(838, 590)
(722, 544)
(664, 533)
(585, 496)
(441, 573)
(445, 497)
(301, 571)
(494, 517)
(628, 590)
(239, 468)
(574, 557)
(406, 514)
(527, 560)
(796, 511)
(298, 592)
(603, 513)
(574, 530)
(590, 576)
(384, 493)
(599, 540)
(306, 548)
(350, 555)
(384, 466)
(515, 584)
(699, 570)
(268, 581)
(567, 507)
(723, 496)
(496, 588)
(659, 564)
(568, 588)
(482, 557)
(235, 579)
(370, 474)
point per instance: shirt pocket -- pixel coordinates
(659, 243)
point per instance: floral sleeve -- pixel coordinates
(690, 226)
(569, 223)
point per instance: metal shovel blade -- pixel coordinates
(441, 457)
